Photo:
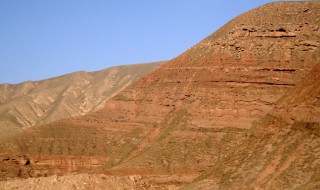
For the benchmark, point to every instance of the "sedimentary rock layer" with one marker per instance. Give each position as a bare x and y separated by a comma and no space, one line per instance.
280,152
183,118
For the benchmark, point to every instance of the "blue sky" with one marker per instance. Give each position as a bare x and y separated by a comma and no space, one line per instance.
45,38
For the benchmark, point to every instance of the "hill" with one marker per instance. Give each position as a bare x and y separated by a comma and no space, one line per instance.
38,102
280,152
177,123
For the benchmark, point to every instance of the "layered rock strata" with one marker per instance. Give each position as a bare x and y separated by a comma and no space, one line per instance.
183,118
280,152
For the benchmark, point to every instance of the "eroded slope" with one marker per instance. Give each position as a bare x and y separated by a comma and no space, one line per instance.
179,121
282,151
210,95
33,103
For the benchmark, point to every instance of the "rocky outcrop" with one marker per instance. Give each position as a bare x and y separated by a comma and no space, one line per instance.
44,165
38,102
186,116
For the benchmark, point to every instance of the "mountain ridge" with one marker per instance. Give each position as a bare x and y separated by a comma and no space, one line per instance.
173,125
37,102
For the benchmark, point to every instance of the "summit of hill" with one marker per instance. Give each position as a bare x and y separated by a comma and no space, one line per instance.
192,120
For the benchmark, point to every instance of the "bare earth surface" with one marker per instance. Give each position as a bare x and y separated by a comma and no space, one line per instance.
278,153
37,102
79,181
223,115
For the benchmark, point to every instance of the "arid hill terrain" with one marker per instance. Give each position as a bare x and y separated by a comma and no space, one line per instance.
281,151
38,102
202,118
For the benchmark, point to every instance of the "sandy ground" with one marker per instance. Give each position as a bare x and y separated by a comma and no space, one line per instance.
79,181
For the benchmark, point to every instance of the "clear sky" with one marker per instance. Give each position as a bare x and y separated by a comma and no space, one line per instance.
45,38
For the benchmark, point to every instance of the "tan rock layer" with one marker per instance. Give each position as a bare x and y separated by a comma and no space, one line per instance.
38,102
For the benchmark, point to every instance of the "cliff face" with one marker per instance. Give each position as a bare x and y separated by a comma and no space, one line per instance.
33,103
183,118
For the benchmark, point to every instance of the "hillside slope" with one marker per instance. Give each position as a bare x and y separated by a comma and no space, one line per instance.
209,96
180,120
282,151
33,103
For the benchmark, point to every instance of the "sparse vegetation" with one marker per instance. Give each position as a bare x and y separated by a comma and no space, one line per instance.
211,118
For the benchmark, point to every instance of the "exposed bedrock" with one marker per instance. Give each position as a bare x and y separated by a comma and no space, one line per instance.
183,117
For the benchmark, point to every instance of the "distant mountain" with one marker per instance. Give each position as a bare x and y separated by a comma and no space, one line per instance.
38,102
185,122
